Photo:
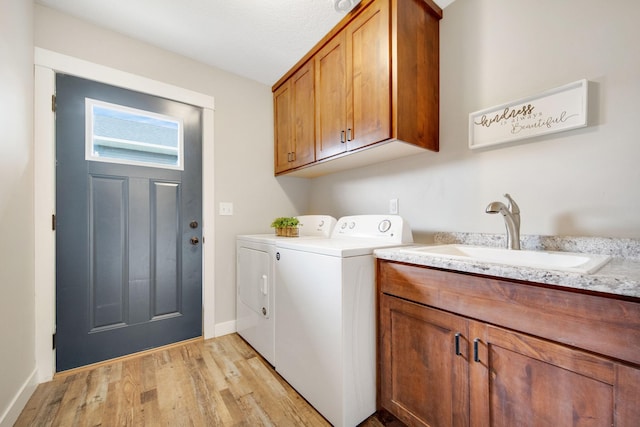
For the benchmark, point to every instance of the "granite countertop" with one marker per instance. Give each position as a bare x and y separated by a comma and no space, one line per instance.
620,276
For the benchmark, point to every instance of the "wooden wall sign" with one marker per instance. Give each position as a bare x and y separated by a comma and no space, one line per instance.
555,110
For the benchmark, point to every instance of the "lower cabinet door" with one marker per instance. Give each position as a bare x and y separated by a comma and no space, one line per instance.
519,380
424,361
440,369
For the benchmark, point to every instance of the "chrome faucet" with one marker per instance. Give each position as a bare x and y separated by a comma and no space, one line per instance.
511,216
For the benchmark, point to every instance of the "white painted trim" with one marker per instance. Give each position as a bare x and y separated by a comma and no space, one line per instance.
44,206
225,328
100,73
208,227
11,414
47,63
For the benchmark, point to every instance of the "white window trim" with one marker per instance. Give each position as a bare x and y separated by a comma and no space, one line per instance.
47,63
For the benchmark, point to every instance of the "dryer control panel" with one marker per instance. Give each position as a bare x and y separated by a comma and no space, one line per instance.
392,228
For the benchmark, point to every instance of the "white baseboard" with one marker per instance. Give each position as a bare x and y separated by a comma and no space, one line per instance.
225,328
19,401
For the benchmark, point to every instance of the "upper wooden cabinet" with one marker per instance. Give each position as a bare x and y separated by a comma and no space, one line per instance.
293,106
331,111
376,87
353,85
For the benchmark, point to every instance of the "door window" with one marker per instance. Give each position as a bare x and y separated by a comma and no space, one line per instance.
119,134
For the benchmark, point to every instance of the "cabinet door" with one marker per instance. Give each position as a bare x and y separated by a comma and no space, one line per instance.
331,98
524,381
303,96
283,127
423,381
369,75
294,111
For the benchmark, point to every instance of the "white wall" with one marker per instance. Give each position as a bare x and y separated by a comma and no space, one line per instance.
243,133
17,360
580,182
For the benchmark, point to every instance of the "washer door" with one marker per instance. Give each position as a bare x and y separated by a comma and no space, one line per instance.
254,280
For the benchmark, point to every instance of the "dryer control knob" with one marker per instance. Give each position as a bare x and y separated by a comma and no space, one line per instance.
384,226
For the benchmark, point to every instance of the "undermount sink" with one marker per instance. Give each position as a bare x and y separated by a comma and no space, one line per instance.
563,261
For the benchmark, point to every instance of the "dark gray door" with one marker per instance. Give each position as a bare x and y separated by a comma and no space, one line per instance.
128,240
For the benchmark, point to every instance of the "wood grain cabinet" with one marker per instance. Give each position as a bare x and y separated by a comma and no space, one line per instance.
353,85
462,350
376,80
423,381
294,109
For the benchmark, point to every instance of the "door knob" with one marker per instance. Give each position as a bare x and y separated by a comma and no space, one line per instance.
195,240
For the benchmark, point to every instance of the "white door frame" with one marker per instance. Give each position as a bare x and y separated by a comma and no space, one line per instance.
47,63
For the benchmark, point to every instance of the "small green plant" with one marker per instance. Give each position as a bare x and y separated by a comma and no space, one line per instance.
285,222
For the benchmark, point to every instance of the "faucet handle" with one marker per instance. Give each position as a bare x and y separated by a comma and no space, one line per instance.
513,206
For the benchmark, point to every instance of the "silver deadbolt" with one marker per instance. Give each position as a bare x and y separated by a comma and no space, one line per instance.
193,224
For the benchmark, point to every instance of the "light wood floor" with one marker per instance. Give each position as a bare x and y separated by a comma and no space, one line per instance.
218,382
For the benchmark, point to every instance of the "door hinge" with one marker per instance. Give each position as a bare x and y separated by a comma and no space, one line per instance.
53,341
53,103
53,222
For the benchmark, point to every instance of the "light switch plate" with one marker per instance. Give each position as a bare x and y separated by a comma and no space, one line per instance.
226,208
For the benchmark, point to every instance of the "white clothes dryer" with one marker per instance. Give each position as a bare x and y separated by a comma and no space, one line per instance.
325,315
255,281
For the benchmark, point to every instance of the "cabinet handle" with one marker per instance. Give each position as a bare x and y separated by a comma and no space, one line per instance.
349,134
342,137
293,156
457,337
476,355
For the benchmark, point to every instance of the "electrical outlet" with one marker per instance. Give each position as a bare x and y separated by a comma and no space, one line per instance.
393,206
226,208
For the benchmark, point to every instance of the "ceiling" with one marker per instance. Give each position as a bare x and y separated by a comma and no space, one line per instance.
258,39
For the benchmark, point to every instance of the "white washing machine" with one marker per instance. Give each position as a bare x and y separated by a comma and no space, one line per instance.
325,315
255,281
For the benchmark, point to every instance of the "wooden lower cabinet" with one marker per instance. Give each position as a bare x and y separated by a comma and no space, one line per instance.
520,380
424,382
439,368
